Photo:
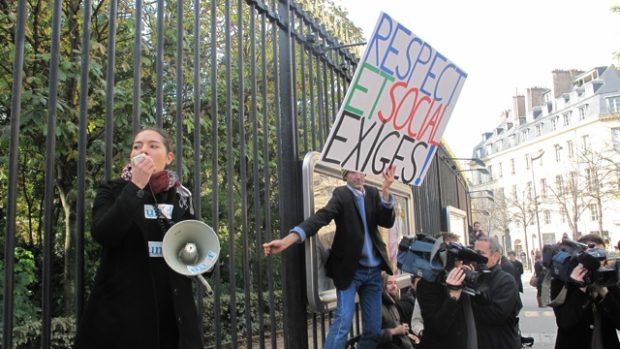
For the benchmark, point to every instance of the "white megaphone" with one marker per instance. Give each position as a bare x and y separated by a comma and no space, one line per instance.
191,248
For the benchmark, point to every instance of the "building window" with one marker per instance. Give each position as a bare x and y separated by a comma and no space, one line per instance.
558,153
512,166
554,123
566,118
490,168
593,213
547,216
559,185
613,103
569,146
585,142
583,111
500,170
543,187
538,130
615,137
527,161
589,179
528,189
514,191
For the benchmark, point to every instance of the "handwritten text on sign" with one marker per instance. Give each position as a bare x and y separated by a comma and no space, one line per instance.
397,105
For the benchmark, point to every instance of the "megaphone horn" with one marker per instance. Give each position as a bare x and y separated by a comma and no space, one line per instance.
191,248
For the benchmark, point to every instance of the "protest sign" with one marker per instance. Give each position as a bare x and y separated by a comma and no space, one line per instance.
397,105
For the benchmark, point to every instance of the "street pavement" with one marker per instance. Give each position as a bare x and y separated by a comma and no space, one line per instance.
536,322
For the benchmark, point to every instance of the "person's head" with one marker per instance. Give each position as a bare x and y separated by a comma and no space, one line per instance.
592,239
354,179
390,286
449,238
489,248
512,255
477,226
154,143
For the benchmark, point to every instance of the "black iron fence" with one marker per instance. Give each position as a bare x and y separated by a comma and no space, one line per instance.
246,88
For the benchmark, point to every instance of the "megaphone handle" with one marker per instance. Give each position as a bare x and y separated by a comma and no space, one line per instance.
204,282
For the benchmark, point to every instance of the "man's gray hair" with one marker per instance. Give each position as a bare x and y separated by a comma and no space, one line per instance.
494,245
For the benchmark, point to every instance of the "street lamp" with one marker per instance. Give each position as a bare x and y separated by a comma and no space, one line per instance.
540,241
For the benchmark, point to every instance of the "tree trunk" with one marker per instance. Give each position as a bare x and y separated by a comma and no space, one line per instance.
68,274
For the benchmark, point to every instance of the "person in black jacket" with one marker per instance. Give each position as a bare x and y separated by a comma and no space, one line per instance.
588,317
518,269
137,301
394,328
495,310
443,308
358,254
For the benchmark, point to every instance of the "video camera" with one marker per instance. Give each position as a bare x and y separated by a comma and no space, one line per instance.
430,259
563,257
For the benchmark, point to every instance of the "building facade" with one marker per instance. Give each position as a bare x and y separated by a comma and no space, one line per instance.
553,163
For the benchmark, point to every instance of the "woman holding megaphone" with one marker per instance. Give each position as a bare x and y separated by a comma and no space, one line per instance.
137,301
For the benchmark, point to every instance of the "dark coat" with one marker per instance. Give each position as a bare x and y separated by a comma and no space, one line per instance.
575,318
444,319
511,269
518,266
390,318
495,312
123,308
346,250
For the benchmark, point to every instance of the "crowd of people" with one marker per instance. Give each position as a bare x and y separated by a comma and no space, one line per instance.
138,301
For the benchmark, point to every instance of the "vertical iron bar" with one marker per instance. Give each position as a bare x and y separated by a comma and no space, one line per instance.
327,116
267,178
137,68
312,114
159,62
304,100
81,175
289,188
197,152
109,95
243,178
179,91
333,92
230,175
9,247
50,146
256,178
215,170
320,104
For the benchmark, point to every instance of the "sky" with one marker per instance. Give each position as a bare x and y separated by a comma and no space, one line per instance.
504,47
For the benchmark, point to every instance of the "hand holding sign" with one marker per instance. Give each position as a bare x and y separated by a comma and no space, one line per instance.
388,179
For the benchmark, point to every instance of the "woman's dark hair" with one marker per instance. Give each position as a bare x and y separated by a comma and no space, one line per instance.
592,238
164,136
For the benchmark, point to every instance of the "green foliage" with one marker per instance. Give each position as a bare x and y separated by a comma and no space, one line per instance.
239,314
24,277
232,125
28,334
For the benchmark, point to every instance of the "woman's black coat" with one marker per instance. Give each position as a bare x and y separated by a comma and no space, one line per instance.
122,309
575,318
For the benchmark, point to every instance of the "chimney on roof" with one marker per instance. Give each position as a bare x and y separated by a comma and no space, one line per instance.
563,81
518,106
535,97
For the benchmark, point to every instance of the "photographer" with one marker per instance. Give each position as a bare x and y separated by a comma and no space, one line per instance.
588,316
444,309
496,308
